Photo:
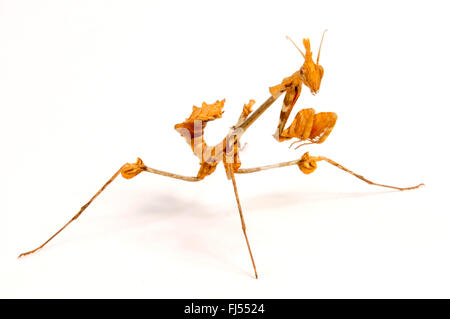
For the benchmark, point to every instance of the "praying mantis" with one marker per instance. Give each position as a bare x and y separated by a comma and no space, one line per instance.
308,127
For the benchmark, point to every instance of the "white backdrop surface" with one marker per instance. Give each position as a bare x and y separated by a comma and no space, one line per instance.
86,86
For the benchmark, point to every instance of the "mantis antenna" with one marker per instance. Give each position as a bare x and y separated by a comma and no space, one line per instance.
320,47
287,37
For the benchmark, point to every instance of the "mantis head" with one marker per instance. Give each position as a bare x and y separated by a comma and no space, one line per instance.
311,72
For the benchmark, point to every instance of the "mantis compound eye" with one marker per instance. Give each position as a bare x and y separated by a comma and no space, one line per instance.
320,70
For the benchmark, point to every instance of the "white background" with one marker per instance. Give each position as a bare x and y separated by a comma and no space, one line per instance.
86,86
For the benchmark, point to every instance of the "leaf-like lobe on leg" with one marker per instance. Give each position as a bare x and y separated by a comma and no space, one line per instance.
192,129
206,169
130,170
301,126
307,164
323,125
308,126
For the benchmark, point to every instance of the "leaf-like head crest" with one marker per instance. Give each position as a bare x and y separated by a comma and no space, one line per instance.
311,72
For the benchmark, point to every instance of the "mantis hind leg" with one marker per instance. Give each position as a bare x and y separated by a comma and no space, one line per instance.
322,158
127,171
308,164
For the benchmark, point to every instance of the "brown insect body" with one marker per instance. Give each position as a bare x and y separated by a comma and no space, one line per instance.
307,126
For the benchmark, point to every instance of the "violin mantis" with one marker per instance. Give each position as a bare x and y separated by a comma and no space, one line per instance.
308,127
